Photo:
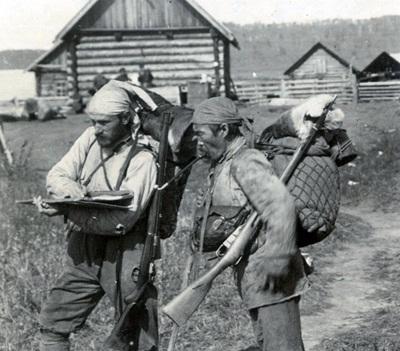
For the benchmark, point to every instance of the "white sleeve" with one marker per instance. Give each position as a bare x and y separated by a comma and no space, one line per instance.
140,181
66,172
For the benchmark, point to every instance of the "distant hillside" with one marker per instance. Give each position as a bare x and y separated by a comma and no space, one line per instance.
269,50
18,59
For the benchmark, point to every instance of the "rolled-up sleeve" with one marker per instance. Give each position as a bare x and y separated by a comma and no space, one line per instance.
270,198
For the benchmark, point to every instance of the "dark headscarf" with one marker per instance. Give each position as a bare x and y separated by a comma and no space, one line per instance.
217,110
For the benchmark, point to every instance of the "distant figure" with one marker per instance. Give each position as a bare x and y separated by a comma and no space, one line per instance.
145,77
98,81
123,75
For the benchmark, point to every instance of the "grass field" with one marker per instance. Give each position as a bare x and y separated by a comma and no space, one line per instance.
31,246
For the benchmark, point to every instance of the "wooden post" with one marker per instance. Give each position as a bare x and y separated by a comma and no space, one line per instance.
227,69
72,73
38,81
355,82
3,145
214,35
283,92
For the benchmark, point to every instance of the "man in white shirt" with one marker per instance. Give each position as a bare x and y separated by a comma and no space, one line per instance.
104,246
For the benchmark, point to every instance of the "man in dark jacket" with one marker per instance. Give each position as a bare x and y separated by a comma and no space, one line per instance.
271,277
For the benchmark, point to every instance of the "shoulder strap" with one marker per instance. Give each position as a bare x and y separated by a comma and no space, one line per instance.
86,156
206,210
135,149
101,164
236,154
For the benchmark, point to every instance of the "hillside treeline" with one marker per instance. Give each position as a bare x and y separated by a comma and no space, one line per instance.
18,59
270,49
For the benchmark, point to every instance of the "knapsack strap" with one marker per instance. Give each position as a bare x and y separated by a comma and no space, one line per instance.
135,149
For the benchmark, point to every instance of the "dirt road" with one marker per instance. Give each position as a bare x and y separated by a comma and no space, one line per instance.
353,292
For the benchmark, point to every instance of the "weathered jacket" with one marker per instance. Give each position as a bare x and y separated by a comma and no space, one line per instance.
244,176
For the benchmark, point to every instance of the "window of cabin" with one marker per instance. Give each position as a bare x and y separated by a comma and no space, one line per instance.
61,88
320,65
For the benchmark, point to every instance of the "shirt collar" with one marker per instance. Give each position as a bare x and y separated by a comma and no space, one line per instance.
232,149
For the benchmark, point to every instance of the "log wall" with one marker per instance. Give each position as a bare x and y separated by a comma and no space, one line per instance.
175,61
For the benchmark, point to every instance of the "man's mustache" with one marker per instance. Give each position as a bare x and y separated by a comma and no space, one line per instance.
201,151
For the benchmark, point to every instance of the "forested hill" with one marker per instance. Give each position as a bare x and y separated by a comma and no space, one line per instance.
269,50
18,59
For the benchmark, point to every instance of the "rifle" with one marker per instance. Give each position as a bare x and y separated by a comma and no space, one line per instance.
180,308
135,316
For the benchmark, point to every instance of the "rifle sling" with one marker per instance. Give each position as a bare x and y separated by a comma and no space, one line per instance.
148,251
208,200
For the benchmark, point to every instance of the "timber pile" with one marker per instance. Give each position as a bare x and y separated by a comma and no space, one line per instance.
40,108
379,91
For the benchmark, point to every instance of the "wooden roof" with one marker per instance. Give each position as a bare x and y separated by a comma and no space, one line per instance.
89,11
58,44
310,52
382,61
192,4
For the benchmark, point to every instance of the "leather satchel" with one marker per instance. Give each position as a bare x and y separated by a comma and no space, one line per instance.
221,222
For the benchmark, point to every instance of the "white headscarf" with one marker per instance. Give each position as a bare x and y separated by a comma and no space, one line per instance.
117,97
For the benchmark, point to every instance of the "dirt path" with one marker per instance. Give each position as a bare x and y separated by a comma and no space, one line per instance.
352,287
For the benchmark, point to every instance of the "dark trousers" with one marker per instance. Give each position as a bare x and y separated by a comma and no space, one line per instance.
277,327
96,266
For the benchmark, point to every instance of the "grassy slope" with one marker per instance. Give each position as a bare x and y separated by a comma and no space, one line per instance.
27,268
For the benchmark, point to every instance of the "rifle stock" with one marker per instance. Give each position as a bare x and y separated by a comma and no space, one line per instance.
186,303
181,308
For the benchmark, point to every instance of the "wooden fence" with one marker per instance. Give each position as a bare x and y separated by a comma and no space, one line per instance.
304,88
258,91
261,91
348,90
379,91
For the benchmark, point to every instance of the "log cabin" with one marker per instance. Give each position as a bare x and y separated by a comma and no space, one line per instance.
320,63
176,39
386,66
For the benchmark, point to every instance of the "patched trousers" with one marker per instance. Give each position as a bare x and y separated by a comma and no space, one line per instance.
96,266
277,327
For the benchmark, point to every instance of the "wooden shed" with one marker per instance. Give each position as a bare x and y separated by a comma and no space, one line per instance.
386,66
320,63
176,39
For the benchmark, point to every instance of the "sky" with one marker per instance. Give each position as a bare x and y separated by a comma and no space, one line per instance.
35,26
